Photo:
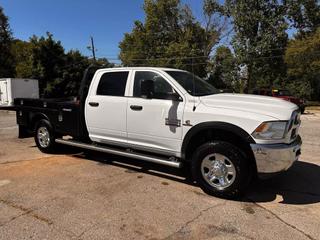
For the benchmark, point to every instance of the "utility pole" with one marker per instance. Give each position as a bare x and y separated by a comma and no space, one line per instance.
93,49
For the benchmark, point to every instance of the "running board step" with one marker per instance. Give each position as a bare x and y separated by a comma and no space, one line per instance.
124,153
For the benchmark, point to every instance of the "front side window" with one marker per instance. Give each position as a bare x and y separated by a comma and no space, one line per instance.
162,89
192,83
113,84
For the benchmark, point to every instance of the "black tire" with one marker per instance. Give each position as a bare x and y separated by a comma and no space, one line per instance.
51,146
240,163
302,109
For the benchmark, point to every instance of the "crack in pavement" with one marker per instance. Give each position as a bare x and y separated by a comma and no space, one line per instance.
87,230
30,212
281,220
192,220
25,211
37,159
26,160
223,229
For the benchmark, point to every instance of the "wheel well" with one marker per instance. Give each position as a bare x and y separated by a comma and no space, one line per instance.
35,119
207,135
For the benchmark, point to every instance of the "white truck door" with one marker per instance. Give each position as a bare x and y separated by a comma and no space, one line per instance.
106,108
154,124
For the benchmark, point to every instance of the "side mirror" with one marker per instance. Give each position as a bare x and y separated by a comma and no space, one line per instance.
147,89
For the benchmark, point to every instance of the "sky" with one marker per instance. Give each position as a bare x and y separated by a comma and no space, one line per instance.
74,21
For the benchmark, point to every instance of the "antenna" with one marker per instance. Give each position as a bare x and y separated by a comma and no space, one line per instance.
193,85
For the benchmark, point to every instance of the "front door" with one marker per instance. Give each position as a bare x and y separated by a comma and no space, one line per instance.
154,124
106,108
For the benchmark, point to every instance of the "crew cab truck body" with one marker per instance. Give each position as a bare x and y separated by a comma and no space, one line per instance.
171,117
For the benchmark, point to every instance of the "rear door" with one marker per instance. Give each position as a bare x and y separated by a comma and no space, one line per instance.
154,124
106,107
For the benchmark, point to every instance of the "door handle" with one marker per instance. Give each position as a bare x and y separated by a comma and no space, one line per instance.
93,104
136,107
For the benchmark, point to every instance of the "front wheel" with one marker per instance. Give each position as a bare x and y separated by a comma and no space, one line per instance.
221,169
44,136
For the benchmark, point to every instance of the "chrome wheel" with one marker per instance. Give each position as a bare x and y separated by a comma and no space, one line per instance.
43,137
218,171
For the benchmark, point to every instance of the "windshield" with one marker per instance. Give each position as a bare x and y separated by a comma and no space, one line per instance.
193,84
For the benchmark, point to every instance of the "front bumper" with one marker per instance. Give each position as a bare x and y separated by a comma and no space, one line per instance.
273,158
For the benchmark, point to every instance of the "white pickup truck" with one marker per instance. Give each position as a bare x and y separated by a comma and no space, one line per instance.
171,117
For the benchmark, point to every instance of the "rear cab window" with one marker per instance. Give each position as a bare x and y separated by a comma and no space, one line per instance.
113,84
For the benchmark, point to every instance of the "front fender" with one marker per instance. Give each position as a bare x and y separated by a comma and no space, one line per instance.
228,127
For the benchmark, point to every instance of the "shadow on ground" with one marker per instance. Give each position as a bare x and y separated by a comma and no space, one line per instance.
299,185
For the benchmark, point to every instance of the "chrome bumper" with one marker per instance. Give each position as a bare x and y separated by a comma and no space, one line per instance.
272,158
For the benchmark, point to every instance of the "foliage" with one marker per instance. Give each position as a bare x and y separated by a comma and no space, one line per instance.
170,36
224,69
44,58
260,39
304,15
303,61
48,61
70,75
6,58
23,58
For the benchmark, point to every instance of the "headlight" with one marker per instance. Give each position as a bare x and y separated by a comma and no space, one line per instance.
270,130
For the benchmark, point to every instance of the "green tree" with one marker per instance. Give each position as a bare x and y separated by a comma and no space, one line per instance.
6,58
260,39
44,58
170,36
48,62
304,15
224,72
303,61
23,58
72,73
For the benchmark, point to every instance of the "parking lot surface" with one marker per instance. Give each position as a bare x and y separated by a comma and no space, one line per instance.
71,195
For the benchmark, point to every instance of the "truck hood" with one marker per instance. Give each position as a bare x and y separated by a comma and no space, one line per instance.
269,106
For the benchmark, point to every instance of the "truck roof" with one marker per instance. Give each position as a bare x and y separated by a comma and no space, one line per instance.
143,68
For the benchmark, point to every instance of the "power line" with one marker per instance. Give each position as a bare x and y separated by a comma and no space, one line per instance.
315,53
114,57
191,58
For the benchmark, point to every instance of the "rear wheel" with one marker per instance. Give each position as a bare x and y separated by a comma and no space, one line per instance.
221,169
44,136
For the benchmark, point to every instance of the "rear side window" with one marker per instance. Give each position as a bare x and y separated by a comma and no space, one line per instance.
113,84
